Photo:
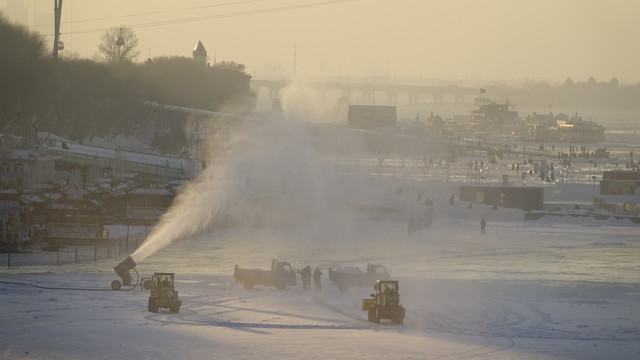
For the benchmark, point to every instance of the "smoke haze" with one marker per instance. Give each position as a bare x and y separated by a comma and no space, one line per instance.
477,41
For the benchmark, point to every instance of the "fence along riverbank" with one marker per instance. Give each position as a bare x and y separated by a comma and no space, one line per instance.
80,254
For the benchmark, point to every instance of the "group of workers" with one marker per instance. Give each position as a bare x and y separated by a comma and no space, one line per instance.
306,278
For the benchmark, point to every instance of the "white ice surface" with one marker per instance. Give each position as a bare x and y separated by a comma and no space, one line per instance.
555,288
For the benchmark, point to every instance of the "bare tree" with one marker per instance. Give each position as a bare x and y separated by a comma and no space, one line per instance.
118,45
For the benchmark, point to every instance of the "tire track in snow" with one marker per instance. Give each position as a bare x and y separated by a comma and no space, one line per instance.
496,319
182,320
488,350
185,317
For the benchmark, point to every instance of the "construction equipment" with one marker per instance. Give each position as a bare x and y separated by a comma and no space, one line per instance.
163,293
124,271
385,303
280,275
354,277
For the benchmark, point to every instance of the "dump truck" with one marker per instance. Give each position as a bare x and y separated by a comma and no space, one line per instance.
354,277
163,293
281,275
385,303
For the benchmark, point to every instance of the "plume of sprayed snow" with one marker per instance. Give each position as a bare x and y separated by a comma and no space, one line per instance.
191,210
269,174
304,104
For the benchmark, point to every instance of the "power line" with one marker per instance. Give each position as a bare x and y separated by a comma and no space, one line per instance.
161,12
219,16
152,13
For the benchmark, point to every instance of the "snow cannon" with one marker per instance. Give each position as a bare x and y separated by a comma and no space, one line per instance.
123,270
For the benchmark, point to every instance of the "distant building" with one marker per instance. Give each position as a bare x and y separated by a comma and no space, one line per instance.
568,82
540,120
620,182
200,55
73,221
550,128
614,82
23,162
487,112
145,206
578,130
524,198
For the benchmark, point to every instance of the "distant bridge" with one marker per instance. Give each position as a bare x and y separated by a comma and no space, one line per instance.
387,94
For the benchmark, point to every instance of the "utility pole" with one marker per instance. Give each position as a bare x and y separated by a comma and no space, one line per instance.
57,13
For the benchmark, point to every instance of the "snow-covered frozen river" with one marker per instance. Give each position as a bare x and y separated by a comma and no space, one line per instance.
554,288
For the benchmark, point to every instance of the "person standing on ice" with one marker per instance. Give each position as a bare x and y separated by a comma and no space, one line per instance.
306,277
316,279
483,225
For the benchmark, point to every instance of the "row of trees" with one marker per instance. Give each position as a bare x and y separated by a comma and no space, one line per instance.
23,64
109,94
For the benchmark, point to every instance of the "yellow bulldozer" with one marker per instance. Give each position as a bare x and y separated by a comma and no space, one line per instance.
163,294
385,303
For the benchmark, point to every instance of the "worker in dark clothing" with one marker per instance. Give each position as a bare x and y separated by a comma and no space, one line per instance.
306,277
483,225
316,279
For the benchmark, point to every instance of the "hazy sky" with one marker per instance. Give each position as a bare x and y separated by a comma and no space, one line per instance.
473,40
